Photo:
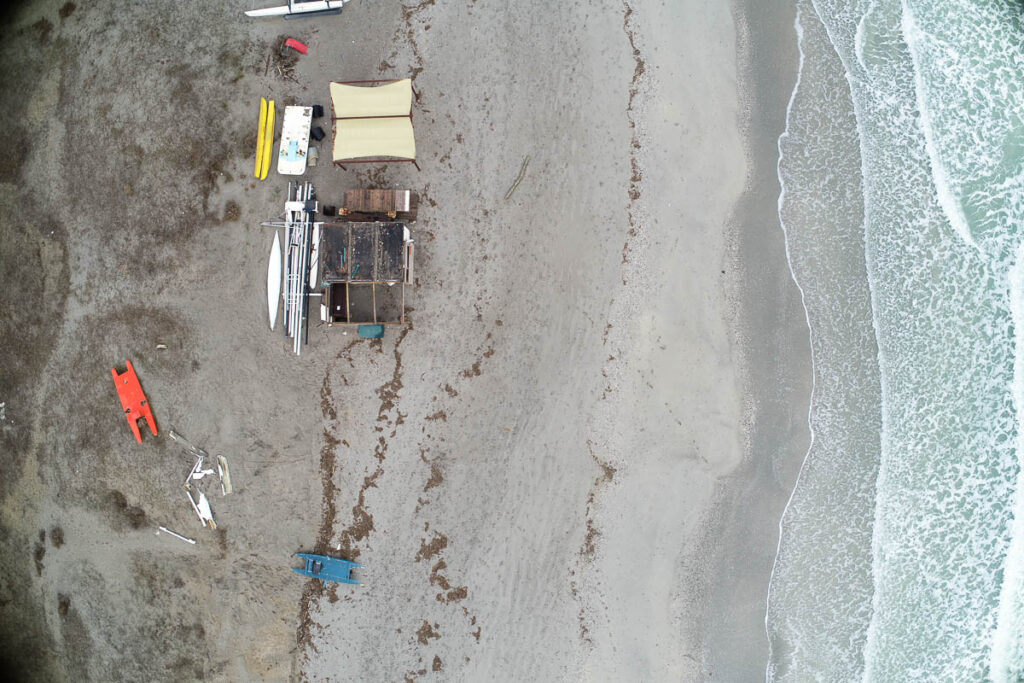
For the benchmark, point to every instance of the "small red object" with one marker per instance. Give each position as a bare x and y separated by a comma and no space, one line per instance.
134,402
296,45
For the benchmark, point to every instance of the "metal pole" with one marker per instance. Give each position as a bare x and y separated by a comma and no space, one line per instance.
287,262
308,290
301,191
295,287
304,279
177,535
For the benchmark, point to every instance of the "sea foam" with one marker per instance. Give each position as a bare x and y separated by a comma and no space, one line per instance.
820,594
936,93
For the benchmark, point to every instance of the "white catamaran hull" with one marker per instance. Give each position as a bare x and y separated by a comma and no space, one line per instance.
274,280
297,8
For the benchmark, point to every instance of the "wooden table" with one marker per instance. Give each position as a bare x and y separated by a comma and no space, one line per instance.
390,202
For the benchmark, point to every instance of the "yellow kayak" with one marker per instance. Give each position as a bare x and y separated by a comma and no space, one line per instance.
268,141
260,136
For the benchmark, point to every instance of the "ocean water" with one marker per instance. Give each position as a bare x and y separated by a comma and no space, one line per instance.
901,552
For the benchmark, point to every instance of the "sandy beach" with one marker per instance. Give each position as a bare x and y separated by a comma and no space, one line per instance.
570,465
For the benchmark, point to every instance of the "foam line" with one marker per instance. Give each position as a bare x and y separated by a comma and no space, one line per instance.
940,178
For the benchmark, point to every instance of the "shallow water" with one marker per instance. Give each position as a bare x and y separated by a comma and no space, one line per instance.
902,169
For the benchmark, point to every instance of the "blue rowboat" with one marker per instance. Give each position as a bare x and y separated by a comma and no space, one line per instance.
328,568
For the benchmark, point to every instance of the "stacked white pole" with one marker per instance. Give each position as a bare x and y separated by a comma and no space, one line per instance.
297,232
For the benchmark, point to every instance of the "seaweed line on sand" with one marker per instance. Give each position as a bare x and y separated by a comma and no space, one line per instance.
636,175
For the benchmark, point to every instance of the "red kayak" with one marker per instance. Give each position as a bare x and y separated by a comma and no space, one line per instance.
296,45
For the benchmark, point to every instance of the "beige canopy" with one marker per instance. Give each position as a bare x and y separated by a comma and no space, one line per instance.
357,102
373,121
362,138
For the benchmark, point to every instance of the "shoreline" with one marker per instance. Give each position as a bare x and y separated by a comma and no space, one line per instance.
774,351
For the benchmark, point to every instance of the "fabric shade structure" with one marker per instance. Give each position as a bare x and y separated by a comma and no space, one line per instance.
354,101
373,122
356,139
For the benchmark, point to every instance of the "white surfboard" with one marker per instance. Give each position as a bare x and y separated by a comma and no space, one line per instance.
274,280
298,122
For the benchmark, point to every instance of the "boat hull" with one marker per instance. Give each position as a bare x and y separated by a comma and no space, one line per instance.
260,137
298,9
294,140
268,142
328,568
274,280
